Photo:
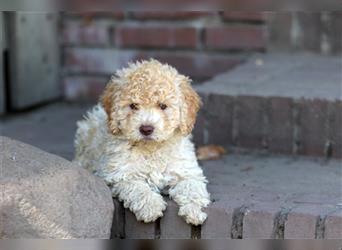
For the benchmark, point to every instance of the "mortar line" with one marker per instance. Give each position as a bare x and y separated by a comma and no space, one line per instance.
157,229
196,232
237,225
279,223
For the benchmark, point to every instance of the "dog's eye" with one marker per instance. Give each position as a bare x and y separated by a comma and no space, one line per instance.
134,106
162,106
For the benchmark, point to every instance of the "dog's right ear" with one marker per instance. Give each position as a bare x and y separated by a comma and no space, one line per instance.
107,100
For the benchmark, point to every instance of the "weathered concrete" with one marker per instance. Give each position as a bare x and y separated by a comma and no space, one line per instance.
51,128
45,196
333,225
261,196
172,226
279,103
296,76
275,192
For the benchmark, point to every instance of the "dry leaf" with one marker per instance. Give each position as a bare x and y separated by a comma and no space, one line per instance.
210,152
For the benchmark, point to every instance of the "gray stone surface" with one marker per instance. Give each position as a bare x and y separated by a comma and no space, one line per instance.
301,221
280,103
136,229
219,221
266,184
258,222
172,226
333,225
51,128
45,196
284,75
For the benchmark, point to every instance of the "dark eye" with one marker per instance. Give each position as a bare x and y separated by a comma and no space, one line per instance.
134,106
162,106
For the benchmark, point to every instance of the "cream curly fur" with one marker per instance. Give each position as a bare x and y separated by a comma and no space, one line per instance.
137,167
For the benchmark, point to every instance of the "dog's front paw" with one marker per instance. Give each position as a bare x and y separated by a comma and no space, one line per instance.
152,209
192,214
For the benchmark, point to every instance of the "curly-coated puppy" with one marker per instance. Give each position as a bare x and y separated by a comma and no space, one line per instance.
138,140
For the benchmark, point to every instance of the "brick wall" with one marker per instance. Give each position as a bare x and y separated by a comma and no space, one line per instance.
199,44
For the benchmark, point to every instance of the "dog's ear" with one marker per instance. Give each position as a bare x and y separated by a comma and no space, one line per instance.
107,101
189,107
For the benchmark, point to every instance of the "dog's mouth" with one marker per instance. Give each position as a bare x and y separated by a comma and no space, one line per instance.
147,138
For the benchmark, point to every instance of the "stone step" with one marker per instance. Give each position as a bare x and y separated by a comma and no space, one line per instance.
256,196
289,104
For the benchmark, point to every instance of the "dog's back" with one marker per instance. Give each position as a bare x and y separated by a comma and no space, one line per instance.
90,139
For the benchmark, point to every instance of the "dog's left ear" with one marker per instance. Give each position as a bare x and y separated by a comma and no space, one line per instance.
190,105
107,101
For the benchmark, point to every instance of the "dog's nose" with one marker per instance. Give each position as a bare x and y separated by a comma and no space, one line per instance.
146,129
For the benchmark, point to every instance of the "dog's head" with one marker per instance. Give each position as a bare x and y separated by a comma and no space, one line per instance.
149,100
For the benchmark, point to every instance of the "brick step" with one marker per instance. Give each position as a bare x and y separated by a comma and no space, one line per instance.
255,196
289,104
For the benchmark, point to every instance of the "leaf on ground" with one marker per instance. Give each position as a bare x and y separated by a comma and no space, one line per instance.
210,152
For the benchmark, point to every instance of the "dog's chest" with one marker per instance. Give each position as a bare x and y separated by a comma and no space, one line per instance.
155,169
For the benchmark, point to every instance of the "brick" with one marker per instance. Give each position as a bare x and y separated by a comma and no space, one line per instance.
173,226
301,221
279,30
196,65
243,16
106,61
90,15
310,26
180,15
237,37
334,31
156,37
313,119
250,120
333,226
280,125
200,130
258,222
83,88
335,125
294,31
219,109
138,230
313,31
95,60
78,33
219,221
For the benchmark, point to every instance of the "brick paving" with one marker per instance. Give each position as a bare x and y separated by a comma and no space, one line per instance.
256,195
278,103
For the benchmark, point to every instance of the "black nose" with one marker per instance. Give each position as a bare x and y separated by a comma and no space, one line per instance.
146,129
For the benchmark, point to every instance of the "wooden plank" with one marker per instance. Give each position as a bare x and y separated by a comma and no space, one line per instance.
34,59
2,83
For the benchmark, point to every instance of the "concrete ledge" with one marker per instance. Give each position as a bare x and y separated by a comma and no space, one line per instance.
259,196
289,104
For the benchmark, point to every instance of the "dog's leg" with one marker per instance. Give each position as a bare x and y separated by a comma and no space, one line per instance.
146,204
191,195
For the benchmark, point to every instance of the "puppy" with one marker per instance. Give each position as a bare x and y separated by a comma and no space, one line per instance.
138,140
